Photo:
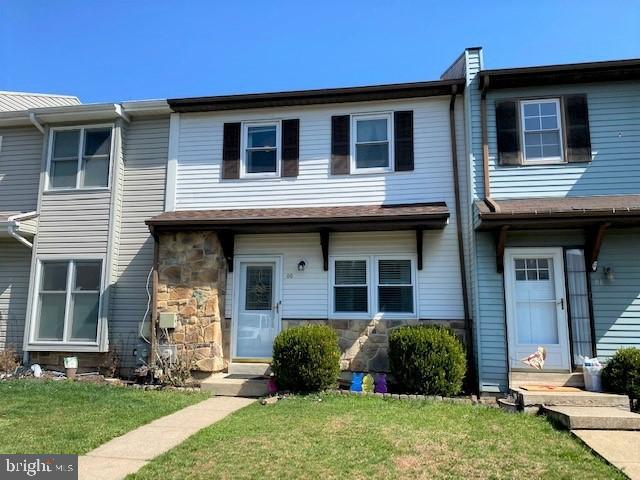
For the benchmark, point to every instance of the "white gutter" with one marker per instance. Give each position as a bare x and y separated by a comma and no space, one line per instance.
13,226
33,119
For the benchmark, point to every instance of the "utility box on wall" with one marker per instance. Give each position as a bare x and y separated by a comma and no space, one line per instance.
167,320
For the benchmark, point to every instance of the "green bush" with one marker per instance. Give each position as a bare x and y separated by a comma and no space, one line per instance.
621,374
427,360
306,359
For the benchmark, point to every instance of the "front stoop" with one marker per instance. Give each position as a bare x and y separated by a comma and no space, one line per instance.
527,399
519,378
593,418
235,385
250,369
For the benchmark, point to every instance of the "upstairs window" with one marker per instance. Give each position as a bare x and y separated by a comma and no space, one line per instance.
261,149
541,130
68,302
371,149
80,158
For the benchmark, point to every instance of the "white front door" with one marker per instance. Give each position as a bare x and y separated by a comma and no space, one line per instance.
536,306
257,304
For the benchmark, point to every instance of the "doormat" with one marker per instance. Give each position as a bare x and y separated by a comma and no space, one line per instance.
549,388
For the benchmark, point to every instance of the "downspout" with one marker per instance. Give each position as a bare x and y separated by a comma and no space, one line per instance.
493,206
468,321
154,301
14,224
36,123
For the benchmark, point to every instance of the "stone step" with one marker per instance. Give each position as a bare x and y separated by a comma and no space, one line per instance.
593,418
517,379
235,385
255,369
582,398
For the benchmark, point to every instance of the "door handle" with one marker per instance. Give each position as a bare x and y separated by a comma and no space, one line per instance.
561,303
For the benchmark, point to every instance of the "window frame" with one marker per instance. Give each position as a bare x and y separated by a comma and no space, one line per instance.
355,117
557,160
80,166
413,285
372,288
245,141
33,343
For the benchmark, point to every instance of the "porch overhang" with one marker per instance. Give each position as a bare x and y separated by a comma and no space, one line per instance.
593,214
323,220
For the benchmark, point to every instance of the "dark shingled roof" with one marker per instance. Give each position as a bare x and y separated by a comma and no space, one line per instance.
601,208
434,215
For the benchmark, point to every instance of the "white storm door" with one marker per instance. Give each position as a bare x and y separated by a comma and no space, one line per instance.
536,306
257,307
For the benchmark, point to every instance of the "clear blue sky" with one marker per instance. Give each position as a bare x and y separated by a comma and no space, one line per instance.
117,50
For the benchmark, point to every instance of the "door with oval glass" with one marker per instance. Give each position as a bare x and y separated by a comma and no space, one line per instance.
257,307
536,306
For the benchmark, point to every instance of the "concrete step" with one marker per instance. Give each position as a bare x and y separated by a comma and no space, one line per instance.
235,385
255,369
580,398
593,418
517,379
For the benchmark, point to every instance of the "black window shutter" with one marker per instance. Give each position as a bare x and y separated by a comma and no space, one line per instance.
403,140
231,151
577,134
507,131
340,157
290,147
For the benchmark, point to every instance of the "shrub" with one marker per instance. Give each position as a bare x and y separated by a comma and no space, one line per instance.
427,360
8,361
306,359
621,374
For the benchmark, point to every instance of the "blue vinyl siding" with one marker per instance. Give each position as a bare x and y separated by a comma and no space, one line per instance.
616,303
614,120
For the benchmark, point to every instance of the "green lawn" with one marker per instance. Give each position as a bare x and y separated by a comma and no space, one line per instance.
75,417
351,437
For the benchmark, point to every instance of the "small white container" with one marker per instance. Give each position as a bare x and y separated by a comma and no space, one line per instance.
70,362
592,377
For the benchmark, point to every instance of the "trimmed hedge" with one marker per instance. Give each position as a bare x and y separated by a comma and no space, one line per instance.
621,374
427,360
306,359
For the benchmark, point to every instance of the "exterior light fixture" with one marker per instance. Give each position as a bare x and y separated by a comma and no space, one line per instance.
608,273
301,265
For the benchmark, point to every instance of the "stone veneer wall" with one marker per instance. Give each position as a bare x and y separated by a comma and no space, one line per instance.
192,284
365,343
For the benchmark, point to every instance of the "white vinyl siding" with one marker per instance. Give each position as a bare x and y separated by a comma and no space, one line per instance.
199,159
20,164
15,262
306,294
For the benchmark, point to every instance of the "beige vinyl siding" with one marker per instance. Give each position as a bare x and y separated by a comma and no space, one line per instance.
20,158
305,294
74,223
145,158
15,260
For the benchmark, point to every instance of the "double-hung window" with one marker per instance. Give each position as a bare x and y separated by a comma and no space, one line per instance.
68,302
80,158
541,130
371,144
261,157
388,288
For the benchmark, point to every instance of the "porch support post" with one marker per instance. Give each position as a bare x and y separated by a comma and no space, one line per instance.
227,243
419,238
594,237
500,243
324,244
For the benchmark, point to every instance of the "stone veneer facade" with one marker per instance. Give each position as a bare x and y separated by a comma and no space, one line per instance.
192,284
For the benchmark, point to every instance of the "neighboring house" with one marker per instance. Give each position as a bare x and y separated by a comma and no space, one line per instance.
555,161
76,185
334,206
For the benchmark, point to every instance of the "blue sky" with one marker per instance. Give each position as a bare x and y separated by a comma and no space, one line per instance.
120,50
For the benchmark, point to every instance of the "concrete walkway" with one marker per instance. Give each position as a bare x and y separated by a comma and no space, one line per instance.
620,448
127,454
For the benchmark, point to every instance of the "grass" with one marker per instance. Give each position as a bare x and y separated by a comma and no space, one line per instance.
75,417
333,436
